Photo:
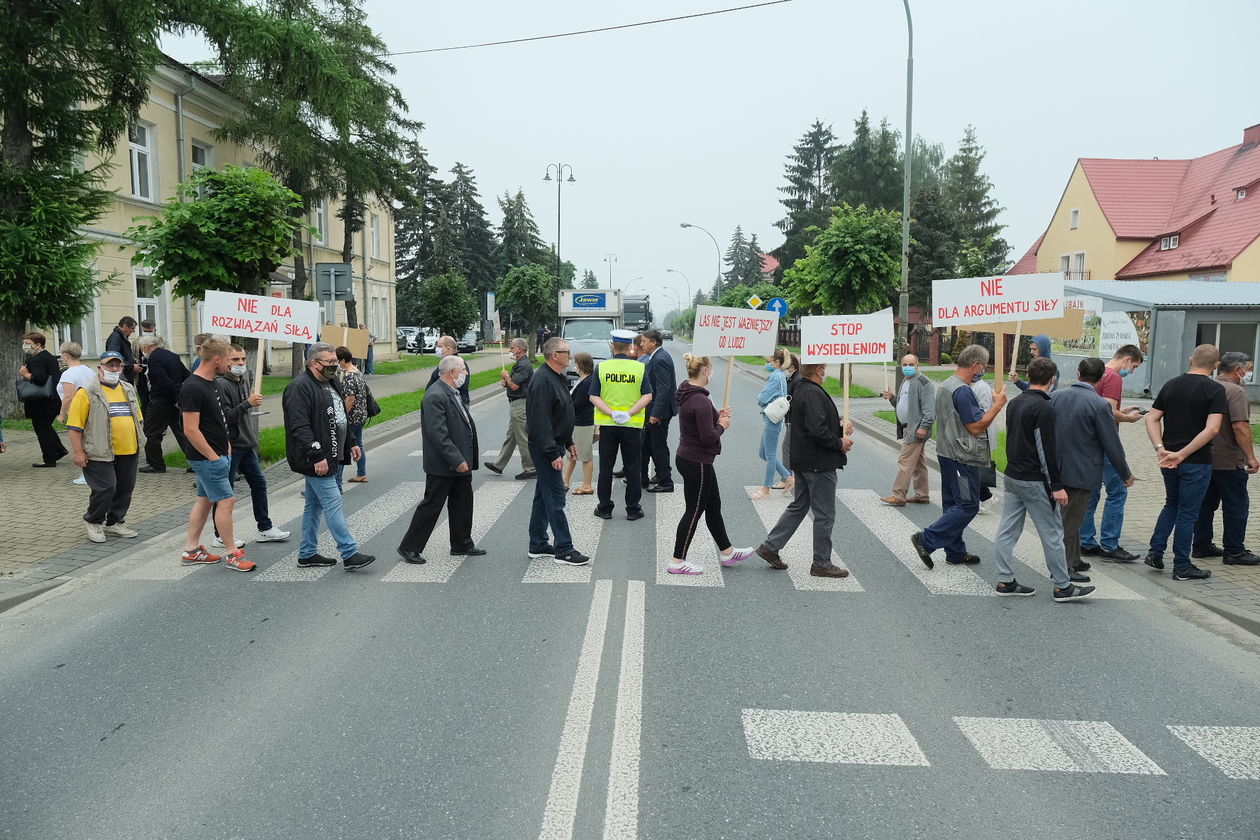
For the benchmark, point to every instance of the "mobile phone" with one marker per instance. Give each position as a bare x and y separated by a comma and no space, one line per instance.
1143,410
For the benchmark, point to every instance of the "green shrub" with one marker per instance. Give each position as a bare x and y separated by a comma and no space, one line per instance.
947,359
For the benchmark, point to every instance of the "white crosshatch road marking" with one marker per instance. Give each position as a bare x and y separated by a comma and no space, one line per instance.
799,551
895,530
831,738
1070,746
669,510
491,499
1234,750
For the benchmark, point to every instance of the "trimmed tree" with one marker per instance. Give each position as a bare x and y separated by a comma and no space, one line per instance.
853,267
530,291
446,304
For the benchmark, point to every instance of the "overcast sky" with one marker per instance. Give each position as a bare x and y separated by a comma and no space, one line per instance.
690,121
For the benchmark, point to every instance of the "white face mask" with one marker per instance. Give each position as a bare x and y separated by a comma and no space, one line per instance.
460,380
111,377
238,370
28,349
1248,377
440,351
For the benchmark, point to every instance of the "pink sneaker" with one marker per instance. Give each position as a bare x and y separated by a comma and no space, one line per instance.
686,567
735,556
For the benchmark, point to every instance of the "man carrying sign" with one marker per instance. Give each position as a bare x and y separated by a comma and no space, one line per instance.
962,447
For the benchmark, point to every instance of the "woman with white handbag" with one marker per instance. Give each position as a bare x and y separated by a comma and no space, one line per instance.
773,401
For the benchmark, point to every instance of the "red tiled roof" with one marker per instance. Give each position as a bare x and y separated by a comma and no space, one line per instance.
1136,196
1028,263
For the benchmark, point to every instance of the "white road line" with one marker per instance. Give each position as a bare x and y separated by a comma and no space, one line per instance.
831,738
489,503
586,529
669,510
1071,746
1234,750
566,778
364,524
799,550
415,453
621,813
894,529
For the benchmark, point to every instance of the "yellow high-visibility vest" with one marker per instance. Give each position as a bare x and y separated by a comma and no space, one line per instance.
620,386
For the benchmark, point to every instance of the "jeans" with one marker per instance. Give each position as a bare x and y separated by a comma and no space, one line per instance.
1228,491
1184,489
1113,512
769,451
322,495
548,509
1031,498
369,366
813,492
245,463
701,497
960,500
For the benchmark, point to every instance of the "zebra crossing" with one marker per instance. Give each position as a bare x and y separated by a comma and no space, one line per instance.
1017,744
369,515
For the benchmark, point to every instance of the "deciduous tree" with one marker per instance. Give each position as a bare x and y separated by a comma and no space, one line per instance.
853,266
446,304
530,291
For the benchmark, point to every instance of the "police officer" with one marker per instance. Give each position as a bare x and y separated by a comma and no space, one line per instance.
620,392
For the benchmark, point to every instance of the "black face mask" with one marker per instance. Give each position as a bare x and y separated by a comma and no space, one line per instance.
328,372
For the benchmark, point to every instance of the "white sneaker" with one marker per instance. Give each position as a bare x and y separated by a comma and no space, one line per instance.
735,556
273,534
686,567
80,481
986,506
95,532
120,530
218,542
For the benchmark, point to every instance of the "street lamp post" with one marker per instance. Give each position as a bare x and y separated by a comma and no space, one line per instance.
632,282
560,179
903,304
610,259
717,249
685,280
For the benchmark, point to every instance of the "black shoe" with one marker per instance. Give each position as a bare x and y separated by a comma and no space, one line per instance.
1078,577
632,515
526,476
1015,588
1118,555
619,474
149,469
1209,550
660,488
189,470
603,513
1091,550
965,560
471,551
1191,573
1155,561
1245,558
492,468
1084,567
413,557
358,561
916,539
44,466
316,560
573,558
1071,592
547,550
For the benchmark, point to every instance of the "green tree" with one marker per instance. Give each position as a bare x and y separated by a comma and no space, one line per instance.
933,245
737,296
684,324
966,191
530,292
754,264
446,304
807,193
413,231
519,242
868,170
473,236
589,280
853,267
737,259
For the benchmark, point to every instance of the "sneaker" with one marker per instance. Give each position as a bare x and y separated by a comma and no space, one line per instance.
81,481
1091,550
965,560
770,556
236,562
1014,588
635,514
547,550
916,539
573,558
120,530
1244,558
686,567
358,561
603,514
1071,592
95,532
273,534
735,556
1155,561
217,542
1117,555
497,470
1209,550
1191,573
526,476
893,501
198,557
315,560
1078,577
1084,567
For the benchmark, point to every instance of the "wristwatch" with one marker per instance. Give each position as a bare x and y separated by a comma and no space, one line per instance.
1159,446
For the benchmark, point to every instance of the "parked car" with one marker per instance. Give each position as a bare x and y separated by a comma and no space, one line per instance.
598,349
667,335
403,334
470,343
423,341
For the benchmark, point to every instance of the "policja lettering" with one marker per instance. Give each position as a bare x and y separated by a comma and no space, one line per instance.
620,377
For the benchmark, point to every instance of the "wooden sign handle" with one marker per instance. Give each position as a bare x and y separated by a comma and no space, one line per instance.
726,392
258,366
1019,328
846,395
999,345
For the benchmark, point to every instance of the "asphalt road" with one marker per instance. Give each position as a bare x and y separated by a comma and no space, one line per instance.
493,697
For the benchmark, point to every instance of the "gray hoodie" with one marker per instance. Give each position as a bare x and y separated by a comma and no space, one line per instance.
242,423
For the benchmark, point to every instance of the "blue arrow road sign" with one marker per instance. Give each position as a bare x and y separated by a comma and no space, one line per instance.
778,305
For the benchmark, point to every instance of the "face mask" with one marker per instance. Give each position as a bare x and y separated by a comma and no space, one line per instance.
769,366
460,380
908,371
440,352
111,377
1248,377
1124,372
28,349
238,370
328,372
976,377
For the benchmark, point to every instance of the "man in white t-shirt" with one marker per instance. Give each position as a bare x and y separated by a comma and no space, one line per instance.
76,375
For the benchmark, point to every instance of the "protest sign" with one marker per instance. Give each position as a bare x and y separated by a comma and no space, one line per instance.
356,341
726,331
267,318
847,338
971,301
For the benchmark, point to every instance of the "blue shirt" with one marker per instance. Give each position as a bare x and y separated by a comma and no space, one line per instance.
966,405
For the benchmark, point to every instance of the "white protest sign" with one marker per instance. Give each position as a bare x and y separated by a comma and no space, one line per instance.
847,338
269,318
992,300
726,331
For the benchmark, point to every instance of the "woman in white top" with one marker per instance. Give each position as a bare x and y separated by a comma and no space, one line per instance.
76,375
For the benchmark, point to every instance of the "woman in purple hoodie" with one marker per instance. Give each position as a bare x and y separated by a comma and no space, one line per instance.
700,428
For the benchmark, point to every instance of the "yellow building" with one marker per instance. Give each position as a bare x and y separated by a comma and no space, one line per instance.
173,137
1196,219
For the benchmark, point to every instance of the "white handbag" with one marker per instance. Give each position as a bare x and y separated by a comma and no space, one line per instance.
777,409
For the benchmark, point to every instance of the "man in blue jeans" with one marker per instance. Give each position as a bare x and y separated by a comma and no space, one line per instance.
962,447
1104,542
1192,409
1233,460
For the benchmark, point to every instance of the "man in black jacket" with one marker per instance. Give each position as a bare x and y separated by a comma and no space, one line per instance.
165,374
818,447
316,438
119,342
549,424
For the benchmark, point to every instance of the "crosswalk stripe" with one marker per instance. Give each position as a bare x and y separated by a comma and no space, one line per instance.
489,502
1072,746
364,524
670,508
1234,750
895,530
799,549
831,738
416,453
584,527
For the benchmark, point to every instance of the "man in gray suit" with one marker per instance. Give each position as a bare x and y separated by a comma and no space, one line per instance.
450,453
1085,431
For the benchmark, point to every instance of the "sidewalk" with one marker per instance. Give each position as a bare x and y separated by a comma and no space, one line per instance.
1232,591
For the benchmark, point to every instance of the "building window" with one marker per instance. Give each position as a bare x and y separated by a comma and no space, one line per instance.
321,222
1073,266
1228,337
149,302
1075,219
83,333
1241,194
1167,243
374,225
140,139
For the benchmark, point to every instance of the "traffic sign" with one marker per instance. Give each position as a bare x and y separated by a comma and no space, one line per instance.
754,302
779,305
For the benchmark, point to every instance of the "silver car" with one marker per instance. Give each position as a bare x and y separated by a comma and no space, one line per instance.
598,349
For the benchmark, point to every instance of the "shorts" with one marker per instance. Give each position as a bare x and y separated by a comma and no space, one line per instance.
213,478
583,438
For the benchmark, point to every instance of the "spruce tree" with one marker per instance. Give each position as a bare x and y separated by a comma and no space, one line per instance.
737,259
807,193
966,191
868,170
754,264
933,244
472,230
589,280
519,242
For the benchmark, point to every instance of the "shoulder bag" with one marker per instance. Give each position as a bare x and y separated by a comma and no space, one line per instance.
777,409
28,391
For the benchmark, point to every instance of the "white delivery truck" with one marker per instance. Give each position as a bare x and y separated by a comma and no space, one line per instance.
590,313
